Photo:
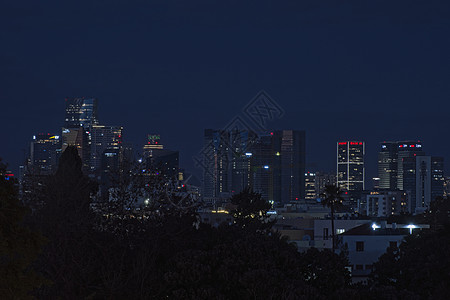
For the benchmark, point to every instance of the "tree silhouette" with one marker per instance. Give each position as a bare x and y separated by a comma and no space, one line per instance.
70,258
331,197
420,264
250,209
438,215
19,247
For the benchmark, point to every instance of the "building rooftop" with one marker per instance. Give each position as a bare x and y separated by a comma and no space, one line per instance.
377,229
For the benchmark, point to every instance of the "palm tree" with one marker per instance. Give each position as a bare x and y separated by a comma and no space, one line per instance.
332,198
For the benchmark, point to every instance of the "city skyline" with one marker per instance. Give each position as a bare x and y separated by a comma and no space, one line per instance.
182,69
204,149
311,166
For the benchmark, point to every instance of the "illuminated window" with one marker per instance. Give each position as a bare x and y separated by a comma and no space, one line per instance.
340,230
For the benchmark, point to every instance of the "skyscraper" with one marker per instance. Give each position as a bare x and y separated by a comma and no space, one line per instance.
424,179
406,149
102,138
293,163
273,165
81,112
241,146
153,142
391,162
81,115
350,170
310,186
350,165
216,163
404,166
79,138
164,161
322,180
278,166
44,153
263,160
387,165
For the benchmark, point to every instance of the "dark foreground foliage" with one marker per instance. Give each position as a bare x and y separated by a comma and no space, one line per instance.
172,256
19,246
421,265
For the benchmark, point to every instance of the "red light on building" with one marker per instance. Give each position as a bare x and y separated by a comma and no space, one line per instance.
271,133
342,143
412,146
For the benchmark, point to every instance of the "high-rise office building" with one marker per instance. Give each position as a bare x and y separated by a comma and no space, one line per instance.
81,112
153,142
79,138
45,151
384,203
404,166
263,159
81,115
438,177
350,165
391,163
322,180
278,166
216,163
387,165
241,146
350,170
424,179
406,149
101,138
226,159
293,163
164,161
273,165
158,159
310,186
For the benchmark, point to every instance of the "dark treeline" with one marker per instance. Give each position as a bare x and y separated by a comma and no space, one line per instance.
64,249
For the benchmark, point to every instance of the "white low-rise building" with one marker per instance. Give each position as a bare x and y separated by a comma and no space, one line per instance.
367,242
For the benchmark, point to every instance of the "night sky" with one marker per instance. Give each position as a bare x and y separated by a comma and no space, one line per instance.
360,70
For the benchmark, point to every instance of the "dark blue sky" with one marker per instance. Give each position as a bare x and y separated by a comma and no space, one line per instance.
368,70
